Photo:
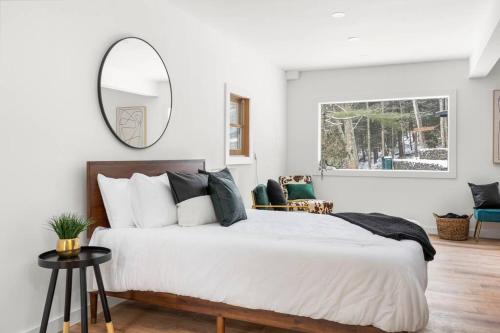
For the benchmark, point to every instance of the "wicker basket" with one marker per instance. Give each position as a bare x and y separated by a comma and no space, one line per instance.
453,228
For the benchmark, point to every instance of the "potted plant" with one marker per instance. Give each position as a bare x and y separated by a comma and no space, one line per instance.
68,226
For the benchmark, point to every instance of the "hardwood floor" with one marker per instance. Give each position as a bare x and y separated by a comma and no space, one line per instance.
463,295
464,287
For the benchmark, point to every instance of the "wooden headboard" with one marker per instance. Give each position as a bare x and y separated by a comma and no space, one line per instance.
125,169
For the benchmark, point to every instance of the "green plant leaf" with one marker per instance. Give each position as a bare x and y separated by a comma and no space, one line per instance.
69,225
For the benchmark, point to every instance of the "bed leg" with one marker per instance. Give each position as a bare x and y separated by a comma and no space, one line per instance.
221,327
93,307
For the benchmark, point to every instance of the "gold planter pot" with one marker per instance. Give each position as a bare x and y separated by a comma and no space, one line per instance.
67,248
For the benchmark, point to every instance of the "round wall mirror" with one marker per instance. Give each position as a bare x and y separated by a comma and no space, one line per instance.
135,93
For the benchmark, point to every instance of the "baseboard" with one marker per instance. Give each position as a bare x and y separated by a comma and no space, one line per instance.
485,232
56,323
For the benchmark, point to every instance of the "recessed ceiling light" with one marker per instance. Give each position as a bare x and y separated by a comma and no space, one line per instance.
353,39
338,15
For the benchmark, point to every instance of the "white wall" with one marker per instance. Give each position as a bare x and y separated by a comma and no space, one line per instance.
413,198
50,52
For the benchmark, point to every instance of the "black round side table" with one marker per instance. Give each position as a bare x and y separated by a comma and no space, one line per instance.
89,256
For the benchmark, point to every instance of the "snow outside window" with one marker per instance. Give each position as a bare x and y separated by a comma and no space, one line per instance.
403,135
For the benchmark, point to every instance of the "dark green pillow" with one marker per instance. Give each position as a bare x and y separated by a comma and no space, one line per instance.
260,195
300,191
226,198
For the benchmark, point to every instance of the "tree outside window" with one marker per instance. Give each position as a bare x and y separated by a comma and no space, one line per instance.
398,134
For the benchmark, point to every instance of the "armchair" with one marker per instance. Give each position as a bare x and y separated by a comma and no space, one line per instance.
311,205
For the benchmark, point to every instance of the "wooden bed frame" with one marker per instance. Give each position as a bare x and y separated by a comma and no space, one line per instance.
96,211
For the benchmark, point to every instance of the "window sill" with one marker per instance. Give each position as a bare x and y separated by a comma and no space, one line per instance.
235,159
390,174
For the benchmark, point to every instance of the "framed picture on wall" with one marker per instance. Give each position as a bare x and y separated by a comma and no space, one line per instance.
496,126
131,125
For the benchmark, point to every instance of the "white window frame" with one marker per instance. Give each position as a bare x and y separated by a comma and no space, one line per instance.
452,139
237,159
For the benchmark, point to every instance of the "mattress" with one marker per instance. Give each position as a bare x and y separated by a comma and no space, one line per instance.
302,264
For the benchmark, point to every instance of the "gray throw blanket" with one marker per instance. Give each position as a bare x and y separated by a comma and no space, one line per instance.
391,227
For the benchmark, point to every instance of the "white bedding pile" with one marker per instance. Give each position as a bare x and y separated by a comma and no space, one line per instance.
310,265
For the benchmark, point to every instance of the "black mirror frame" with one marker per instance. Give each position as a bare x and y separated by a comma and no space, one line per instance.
101,105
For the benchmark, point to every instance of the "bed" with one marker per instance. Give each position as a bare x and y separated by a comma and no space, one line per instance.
299,271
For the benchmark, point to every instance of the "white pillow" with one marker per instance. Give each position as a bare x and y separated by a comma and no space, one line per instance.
196,211
152,201
115,194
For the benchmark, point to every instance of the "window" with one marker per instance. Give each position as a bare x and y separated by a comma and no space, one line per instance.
238,125
238,131
409,134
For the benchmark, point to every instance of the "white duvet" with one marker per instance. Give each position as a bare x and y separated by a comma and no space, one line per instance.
310,265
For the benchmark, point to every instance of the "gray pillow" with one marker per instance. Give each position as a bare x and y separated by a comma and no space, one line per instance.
225,173
275,194
226,199
485,196
187,185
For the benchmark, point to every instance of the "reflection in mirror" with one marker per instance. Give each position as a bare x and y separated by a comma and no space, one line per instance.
135,92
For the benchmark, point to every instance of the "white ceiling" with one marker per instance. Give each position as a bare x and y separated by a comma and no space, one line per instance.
301,34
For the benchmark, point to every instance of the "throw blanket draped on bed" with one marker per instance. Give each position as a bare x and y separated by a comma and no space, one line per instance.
391,227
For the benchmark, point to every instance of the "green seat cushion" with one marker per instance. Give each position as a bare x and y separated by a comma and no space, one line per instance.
300,191
487,215
260,194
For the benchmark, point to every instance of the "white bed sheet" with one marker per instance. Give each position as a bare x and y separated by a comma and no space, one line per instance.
310,265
